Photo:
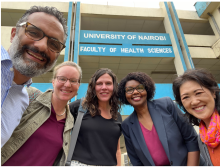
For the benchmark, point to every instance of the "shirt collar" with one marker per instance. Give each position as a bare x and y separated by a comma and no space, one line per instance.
4,54
28,83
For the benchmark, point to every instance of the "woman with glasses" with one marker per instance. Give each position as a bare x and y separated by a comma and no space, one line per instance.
43,136
197,93
155,133
98,139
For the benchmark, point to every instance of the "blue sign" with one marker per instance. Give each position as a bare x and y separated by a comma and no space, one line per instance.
120,50
124,37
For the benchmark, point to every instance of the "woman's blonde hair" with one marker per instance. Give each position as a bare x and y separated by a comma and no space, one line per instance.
67,63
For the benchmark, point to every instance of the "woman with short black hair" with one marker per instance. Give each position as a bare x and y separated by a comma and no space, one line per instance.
155,133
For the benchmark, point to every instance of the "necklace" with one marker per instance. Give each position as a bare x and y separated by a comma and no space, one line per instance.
58,114
61,114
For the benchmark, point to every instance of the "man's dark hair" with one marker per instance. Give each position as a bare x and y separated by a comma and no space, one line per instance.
49,10
143,79
205,79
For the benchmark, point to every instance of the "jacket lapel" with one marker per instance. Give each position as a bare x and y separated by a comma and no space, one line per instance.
140,138
159,125
47,95
69,124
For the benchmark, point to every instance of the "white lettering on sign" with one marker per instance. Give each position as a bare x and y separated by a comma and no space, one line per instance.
132,50
130,37
159,50
112,49
92,49
161,38
137,50
104,36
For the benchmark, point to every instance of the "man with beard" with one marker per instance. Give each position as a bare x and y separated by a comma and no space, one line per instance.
37,41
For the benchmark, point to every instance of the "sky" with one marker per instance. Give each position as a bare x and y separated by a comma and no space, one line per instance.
179,4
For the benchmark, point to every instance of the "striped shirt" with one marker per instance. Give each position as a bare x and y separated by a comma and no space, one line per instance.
14,98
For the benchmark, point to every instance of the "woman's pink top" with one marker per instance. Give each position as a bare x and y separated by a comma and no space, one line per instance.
154,146
43,146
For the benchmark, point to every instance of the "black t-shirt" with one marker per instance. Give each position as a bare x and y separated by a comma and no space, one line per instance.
97,140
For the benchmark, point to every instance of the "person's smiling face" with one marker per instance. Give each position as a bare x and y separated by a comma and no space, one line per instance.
66,91
197,100
31,57
104,88
137,98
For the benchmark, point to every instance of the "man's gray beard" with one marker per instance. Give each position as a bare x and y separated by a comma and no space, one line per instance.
26,67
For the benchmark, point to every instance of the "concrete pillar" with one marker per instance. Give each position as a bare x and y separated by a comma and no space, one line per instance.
179,61
181,37
216,16
77,33
69,23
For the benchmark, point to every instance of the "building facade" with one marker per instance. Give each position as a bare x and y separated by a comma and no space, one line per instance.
162,42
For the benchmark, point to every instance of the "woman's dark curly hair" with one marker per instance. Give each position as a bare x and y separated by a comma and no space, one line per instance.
142,78
91,100
203,78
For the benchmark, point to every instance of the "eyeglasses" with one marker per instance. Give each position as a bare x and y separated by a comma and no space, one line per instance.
36,34
63,80
140,88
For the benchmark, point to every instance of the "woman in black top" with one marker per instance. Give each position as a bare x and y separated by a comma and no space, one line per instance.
98,141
